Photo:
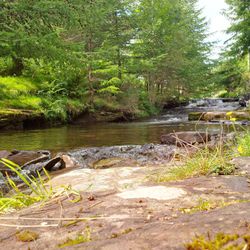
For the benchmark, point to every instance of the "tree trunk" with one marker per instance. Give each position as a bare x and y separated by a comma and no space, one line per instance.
118,50
17,67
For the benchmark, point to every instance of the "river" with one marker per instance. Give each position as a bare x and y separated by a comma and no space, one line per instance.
106,134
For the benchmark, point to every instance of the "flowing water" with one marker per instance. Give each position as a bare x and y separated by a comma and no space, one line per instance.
107,134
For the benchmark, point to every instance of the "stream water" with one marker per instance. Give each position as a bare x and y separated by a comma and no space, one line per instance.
107,134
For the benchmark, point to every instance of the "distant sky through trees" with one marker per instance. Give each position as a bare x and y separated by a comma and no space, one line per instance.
218,23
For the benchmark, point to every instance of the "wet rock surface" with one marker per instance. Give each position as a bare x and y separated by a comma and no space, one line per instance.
185,138
30,163
243,115
130,211
244,100
132,155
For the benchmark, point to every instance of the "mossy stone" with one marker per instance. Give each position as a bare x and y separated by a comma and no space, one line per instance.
27,236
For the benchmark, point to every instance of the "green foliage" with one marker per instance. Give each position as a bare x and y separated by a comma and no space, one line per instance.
6,64
17,85
38,190
240,16
243,143
20,93
233,71
106,105
80,238
220,241
133,54
204,162
203,205
21,199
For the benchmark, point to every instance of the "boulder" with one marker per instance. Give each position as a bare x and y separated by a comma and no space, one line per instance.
127,155
244,100
24,158
238,115
106,163
209,116
69,162
217,116
242,165
55,164
185,138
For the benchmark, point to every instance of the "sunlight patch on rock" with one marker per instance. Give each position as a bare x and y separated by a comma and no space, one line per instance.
156,192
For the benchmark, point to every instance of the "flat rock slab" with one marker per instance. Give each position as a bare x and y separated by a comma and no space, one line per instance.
97,180
130,211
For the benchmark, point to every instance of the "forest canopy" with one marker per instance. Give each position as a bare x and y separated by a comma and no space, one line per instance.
101,55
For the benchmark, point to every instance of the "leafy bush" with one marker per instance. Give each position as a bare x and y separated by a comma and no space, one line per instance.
146,105
54,109
5,65
104,104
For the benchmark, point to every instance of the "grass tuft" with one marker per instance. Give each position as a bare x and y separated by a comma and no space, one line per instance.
204,162
243,143
220,241
80,238
40,191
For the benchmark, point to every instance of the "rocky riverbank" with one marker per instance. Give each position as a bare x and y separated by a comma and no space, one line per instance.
122,208
125,205
243,115
16,119
19,119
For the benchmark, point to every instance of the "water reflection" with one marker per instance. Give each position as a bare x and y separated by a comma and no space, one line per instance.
89,135
107,134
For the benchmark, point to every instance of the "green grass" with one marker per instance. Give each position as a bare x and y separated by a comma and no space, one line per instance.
22,102
220,241
17,85
80,238
39,191
243,144
207,204
23,93
19,199
204,162
19,93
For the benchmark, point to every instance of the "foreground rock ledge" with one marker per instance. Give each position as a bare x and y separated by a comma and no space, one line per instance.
131,211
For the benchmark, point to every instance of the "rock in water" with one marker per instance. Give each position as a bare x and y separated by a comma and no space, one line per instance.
185,138
106,163
117,156
23,158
